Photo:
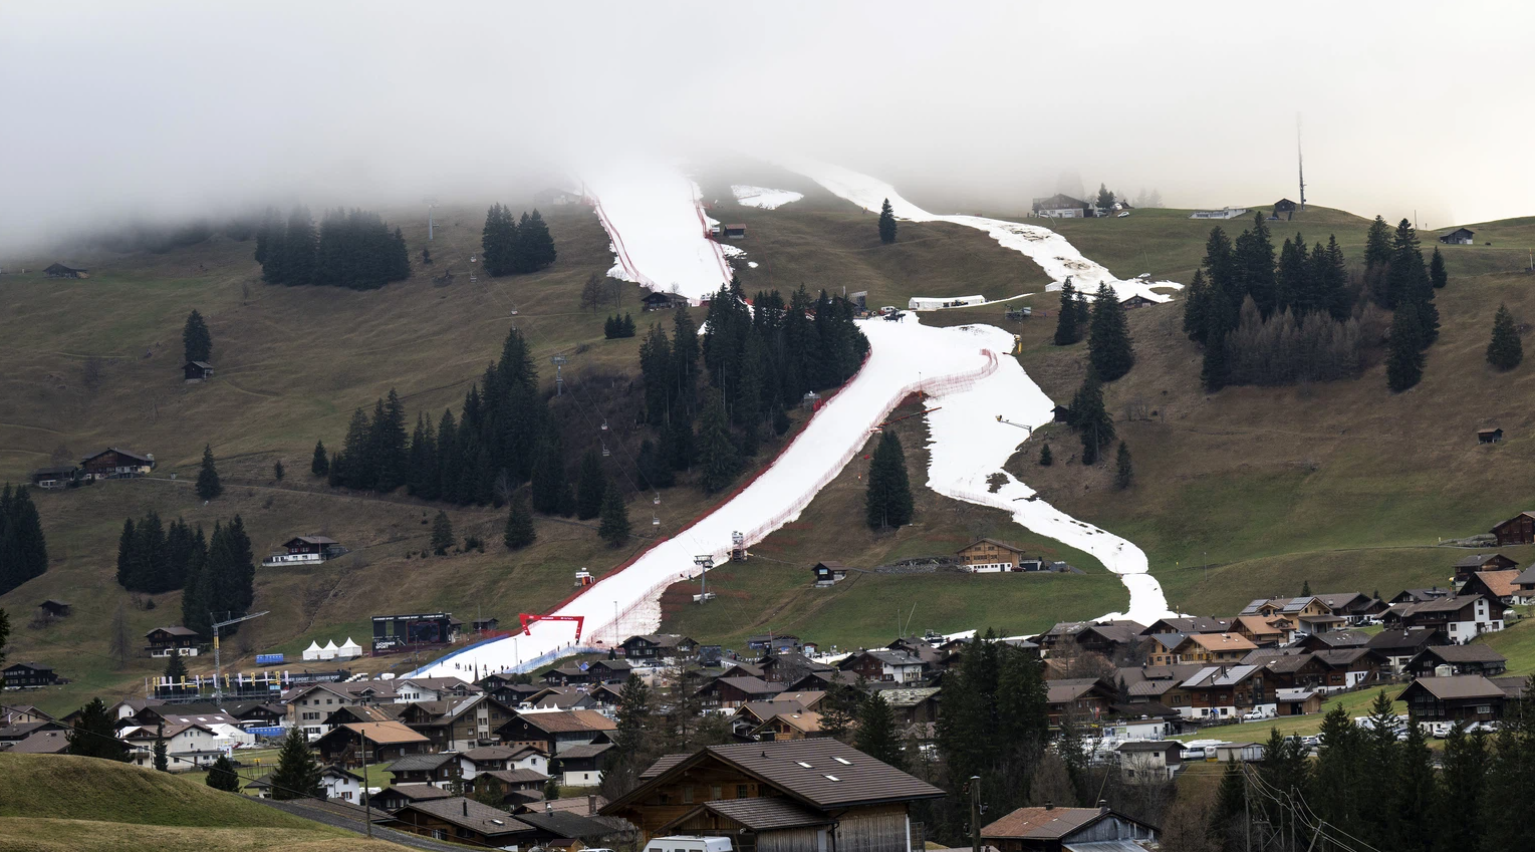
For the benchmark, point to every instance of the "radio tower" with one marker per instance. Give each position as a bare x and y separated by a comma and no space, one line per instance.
1300,161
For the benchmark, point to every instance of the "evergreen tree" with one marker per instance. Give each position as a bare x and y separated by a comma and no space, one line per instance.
519,525
535,247
1124,473
839,710
684,361
389,445
614,528
549,485
355,465
886,223
1090,418
23,547
498,241
208,486
1413,824
1463,788
175,669
1045,457
627,329
127,554
1505,351
95,735
655,469
592,484
877,736
1230,802
196,342
1067,330
442,533
161,756
449,456
297,775
552,786
716,451
1195,307
1105,198
223,775
1341,763
1404,358
1437,274
634,715
5,634
1108,342
278,470
1377,261
196,598
421,476
888,501
320,464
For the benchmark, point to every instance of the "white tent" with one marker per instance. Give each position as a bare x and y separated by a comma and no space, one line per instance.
312,652
329,651
350,651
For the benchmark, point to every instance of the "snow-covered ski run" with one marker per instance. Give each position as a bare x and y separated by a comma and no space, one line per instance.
1054,254
982,397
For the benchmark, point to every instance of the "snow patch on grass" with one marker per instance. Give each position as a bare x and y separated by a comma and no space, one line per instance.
763,197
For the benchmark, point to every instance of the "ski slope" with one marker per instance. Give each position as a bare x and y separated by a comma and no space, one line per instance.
1054,254
763,197
653,216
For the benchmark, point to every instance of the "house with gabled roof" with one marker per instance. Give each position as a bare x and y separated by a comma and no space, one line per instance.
554,732
1458,618
1496,585
1188,624
1224,692
384,741
1081,699
885,665
655,648
731,692
464,821
1459,237
1399,645
792,794
116,463
1473,658
1458,698
1052,829
400,795
1520,529
1259,630
1466,566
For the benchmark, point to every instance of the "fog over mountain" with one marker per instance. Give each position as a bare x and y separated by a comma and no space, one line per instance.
175,108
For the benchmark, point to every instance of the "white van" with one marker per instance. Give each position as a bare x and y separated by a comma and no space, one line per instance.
685,843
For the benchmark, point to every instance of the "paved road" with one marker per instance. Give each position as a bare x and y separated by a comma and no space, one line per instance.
341,816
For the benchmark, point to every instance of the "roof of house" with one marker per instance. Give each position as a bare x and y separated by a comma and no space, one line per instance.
1339,600
664,640
419,792
1070,689
1526,577
313,539
574,804
1002,544
1477,560
121,452
385,733
565,823
1449,603
1043,823
804,721
1151,745
820,771
468,813
1341,638
1473,652
902,696
1338,657
748,685
41,742
1190,624
513,776
1457,687
421,762
1222,641
1220,676
662,764
1398,639
1499,584
174,631
763,814
1258,625
34,666
569,721
488,753
583,750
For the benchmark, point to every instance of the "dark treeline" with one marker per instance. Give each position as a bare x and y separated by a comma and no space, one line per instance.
1396,278
23,548
1377,784
352,249
617,327
513,247
218,575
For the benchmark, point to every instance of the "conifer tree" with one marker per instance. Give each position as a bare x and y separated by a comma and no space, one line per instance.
1230,803
614,528
449,456
208,485
684,361
1437,274
278,470
175,668
1463,785
1045,457
535,243
222,775
498,241
627,329
1067,330
297,775
1090,418
1105,198
355,466
1124,472
196,597
591,486
319,465
519,525
23,547
1195,307
886,223
161,754
1412,823
421,461
877,736
94,734
1404,358
887,500
389,445
1505,351
196,342
127,553
442,533
717,453
1108,342
549,485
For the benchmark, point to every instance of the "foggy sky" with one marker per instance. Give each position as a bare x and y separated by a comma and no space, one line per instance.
114,109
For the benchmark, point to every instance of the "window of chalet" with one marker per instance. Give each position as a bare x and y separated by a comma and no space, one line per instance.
687,794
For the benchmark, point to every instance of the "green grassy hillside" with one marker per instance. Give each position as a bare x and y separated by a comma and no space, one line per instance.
50,802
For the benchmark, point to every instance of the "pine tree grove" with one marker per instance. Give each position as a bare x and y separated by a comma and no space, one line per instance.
887,499
23,547
352,249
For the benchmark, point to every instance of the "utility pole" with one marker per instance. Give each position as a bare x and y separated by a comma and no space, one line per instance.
218,663
704,562
559,362
367,796
1247,806
975,813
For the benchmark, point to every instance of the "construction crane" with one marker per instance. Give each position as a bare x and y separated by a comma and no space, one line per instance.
218,663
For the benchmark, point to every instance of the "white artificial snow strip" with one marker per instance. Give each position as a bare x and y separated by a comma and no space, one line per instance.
973,431
761,196
903,357
1054,254
657,228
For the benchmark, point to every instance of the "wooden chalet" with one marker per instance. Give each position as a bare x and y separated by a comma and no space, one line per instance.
1489,436
730,692
55,609
1223,692
58,476
1496,585
439,770
115,463
1520,529
1459,237
29,676
1136,301
555,731
1458,698
1458,618
656,647
463,821
1482,562
396,797
1052,829
1285,207
829,573
386,741
658,301
197,371
989,555
1259,630
1060,206
1082,699
803,795
733,231
1444,660
59,270
1189,624
1397,646
165,641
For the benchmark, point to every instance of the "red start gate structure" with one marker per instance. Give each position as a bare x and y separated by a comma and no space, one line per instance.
527,619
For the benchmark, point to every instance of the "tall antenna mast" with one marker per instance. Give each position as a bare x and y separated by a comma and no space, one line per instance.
1300,161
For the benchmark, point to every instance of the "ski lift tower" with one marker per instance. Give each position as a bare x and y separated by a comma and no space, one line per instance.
218,661
559,361
704,595
738,547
